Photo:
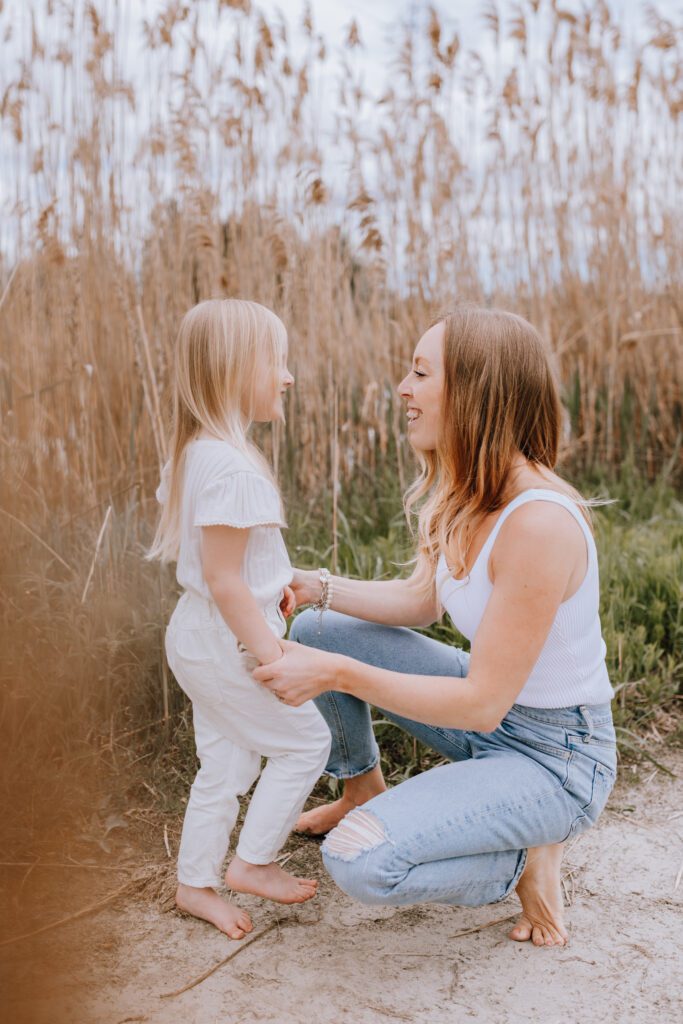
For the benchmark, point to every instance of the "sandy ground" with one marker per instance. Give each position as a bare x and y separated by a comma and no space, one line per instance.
335,961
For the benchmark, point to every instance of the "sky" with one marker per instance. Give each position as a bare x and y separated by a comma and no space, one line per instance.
379,23
377,18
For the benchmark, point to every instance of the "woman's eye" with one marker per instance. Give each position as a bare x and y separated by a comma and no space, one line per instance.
418,373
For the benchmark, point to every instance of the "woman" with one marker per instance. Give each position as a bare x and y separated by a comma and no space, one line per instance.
505,546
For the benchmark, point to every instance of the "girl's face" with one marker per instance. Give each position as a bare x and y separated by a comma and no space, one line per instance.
269,391
422,390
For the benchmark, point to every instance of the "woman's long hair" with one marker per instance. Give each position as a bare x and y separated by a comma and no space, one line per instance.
223,347
500,398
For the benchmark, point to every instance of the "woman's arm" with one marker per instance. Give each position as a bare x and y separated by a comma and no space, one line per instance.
390,602
536,555
222,550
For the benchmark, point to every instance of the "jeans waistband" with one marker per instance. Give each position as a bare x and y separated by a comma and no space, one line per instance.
590,715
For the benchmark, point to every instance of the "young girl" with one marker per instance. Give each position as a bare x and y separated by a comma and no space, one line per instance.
221,514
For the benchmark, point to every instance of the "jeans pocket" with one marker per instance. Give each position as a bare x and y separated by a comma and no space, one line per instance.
592,797
544,738
603,781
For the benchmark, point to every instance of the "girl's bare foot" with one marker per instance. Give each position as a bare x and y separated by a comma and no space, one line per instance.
269,881
207,904
540,893
357,791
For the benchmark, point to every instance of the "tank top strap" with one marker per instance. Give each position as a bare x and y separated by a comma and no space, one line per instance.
541,494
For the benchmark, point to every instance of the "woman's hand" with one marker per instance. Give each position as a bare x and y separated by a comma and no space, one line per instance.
305,587
300,675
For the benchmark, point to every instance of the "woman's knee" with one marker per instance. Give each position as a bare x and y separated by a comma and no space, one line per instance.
358,856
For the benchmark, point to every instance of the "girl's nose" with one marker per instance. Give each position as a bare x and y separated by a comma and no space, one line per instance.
404,388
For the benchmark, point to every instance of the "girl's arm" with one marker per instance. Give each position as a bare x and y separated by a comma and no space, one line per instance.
222,550
536,553
390,602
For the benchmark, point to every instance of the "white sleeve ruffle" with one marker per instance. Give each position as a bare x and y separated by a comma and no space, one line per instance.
242,499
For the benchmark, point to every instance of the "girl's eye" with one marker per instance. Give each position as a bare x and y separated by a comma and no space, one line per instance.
418,373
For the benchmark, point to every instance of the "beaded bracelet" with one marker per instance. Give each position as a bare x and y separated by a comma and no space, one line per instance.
325,595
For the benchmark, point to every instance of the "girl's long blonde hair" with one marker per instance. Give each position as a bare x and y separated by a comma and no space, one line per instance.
500,398
223,347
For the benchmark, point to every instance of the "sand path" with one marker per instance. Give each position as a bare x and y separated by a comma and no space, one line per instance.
335,961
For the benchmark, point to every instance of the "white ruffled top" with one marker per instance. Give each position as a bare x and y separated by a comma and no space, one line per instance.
223,487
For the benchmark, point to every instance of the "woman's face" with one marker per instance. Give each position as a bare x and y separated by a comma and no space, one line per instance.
270,389
422,390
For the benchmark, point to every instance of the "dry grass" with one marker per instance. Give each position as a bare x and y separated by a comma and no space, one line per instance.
540,174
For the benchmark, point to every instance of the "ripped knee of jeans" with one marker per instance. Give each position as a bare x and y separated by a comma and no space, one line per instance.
359,832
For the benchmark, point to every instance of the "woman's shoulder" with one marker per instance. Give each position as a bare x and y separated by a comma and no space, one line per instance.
543,525
543,493
542,510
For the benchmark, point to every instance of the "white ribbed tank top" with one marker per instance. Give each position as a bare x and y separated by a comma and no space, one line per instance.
571,667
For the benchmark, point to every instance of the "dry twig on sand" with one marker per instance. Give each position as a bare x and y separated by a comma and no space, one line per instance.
207,974
480,927
387,1012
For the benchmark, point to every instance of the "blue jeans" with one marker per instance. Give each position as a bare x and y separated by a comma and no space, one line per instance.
458,833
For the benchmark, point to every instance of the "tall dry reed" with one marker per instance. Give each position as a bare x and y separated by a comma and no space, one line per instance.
149,165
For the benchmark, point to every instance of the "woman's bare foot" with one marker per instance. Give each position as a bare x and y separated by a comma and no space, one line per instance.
540,893
207,904
269,881
357,791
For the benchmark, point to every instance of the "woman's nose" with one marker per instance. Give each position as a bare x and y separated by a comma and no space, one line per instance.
403,388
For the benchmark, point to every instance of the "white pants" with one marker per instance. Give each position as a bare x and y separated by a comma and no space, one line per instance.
236,722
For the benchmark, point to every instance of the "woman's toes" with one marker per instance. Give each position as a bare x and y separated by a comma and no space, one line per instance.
522,931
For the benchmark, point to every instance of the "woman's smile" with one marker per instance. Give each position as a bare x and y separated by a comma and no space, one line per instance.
424,385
